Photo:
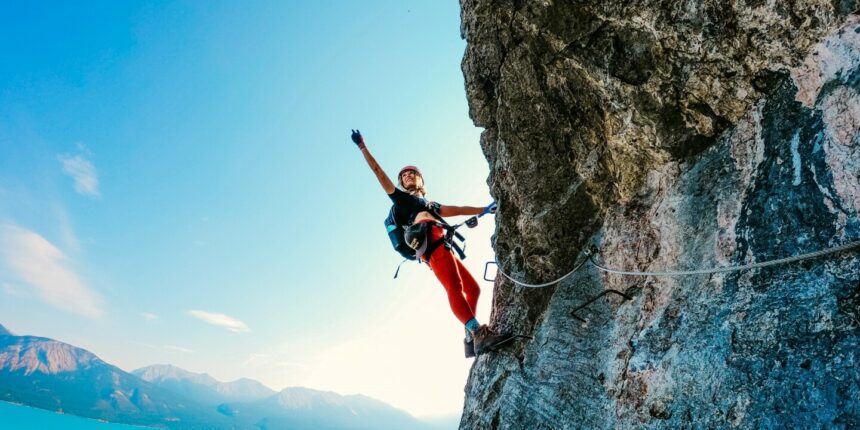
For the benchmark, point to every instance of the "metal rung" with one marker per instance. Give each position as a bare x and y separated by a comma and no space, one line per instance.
590,301
487,266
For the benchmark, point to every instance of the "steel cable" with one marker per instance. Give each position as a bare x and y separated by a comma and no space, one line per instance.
589,257
800,257
545,284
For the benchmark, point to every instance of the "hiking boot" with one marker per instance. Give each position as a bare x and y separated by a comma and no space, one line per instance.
487,340
469,346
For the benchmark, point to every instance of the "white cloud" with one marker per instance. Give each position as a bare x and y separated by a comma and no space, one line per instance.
257,360
83,172
67,232
148,316
179,349
270,361
221,320
43,267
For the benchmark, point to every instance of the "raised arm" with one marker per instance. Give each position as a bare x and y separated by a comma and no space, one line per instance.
384,180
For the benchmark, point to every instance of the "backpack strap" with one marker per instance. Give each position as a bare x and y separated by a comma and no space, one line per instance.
398,267
460,251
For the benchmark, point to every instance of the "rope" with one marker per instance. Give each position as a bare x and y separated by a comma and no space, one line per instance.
590,258
545,284
800,257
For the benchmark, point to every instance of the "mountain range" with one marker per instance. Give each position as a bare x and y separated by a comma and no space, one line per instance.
202,387
53,375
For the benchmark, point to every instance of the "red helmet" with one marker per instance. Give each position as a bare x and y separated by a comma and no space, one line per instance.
405,168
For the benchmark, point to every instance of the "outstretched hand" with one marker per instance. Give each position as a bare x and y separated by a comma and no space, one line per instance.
358,139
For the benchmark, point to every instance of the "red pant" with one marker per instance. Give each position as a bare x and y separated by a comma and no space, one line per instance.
461,287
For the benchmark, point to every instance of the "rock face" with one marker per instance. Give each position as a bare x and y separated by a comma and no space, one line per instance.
670,136
27,355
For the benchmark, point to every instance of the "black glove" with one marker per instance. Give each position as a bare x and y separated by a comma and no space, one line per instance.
358,139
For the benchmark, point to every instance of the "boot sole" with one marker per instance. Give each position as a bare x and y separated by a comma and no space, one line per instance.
470,351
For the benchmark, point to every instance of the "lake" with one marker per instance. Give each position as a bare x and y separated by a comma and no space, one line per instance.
16,417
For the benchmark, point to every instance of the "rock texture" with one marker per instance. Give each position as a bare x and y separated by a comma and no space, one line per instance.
670,135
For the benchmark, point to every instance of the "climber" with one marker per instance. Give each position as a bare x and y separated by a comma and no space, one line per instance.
425,233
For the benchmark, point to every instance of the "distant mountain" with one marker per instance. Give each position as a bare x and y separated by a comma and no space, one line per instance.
245,389
305,409
57,376
53,375
202,387
292,408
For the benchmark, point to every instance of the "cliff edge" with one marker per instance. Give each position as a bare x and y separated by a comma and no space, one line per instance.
670,136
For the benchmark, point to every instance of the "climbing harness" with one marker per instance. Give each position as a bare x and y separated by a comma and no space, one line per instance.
589,257
428,248
451,231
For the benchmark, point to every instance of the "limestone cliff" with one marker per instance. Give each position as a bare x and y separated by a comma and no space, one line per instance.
670,135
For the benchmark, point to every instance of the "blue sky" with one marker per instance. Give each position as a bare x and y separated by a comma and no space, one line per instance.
177,185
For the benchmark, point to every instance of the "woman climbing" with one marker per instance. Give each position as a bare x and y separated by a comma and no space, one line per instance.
427,238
